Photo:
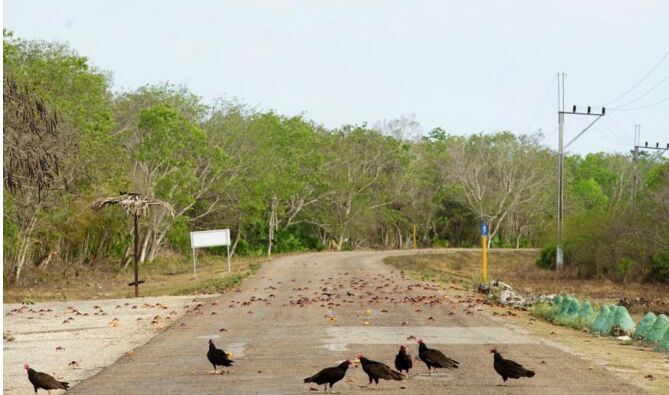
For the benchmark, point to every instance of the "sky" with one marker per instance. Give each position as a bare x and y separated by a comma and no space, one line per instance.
464,66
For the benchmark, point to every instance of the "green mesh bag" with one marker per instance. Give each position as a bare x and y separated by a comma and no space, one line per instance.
573,308
599,325
644,326
664,343
566,302
587,315
610,319
658,330
622,319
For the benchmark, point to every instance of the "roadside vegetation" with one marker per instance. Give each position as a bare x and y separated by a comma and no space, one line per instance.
166,276
518,268
284,183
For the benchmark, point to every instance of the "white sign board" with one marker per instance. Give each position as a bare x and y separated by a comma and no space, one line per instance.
210,238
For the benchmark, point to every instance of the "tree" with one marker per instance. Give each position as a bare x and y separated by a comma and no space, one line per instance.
55,143
496,174
172,161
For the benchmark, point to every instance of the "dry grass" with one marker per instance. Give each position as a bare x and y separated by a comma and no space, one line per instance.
166,277
518,268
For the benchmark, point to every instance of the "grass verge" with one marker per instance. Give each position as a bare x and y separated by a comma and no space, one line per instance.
165,276
518,268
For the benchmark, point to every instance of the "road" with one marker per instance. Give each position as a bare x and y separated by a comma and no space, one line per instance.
282,328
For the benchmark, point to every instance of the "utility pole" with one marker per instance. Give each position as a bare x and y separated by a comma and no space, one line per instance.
637,138
559,258
637,147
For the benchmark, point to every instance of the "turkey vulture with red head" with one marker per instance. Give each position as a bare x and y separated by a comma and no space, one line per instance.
435,358
329,375
218,357
403,360
377,370
509,369
44,381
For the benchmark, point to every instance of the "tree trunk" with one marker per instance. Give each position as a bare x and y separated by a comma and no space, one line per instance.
399,237
155,246
127,257
24,248
272,224
339,243
145,244
237,238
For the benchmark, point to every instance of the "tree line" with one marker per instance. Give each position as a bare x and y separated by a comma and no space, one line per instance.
286,183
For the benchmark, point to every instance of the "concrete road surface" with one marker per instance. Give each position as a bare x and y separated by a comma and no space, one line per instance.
295,317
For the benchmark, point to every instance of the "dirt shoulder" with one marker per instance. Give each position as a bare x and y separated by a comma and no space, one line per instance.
74,340
632,362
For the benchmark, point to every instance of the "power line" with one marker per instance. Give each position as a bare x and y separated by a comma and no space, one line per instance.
640,81
541,104
618,131
642,107
643,95
611,136
620,128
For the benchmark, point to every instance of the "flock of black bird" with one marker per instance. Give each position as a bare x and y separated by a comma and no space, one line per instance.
375,370
434,359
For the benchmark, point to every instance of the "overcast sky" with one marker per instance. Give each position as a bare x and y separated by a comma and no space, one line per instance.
465,66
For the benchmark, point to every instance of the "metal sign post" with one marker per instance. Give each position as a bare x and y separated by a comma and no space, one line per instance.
484,244
210,238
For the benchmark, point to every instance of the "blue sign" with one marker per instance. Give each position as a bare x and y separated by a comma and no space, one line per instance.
484,229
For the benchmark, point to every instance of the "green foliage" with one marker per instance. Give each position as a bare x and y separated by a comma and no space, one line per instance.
660,267
284,183
590,193
179,236
625,266
547,258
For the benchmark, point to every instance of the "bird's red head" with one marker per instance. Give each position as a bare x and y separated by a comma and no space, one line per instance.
419,341
359,355
494,350
403,347
25,366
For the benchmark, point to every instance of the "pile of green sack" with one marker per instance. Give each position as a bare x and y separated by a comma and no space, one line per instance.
610,320
653,330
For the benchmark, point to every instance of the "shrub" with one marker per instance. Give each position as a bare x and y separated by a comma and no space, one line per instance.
660,267
547,258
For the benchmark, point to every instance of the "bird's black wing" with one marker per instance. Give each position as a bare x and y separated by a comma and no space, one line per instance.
383,371
327,375
438,359
219,357
509,368
47,382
